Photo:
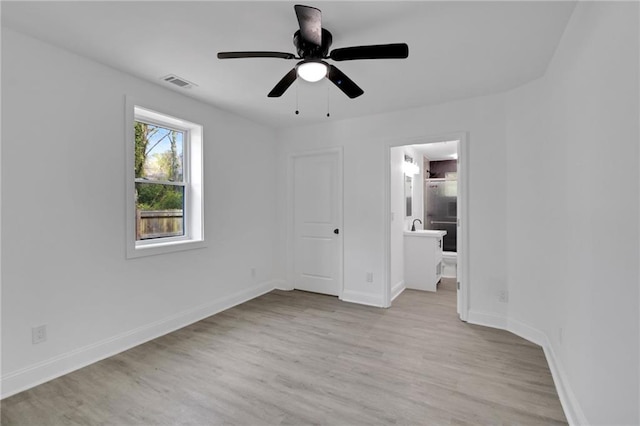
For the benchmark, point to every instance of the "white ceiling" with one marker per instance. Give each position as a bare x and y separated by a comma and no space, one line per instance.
456,49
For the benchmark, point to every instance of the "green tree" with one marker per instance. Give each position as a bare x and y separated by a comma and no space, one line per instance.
173,166
152,196
143,134
142,141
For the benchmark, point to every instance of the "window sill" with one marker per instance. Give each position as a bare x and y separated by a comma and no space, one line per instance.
163,248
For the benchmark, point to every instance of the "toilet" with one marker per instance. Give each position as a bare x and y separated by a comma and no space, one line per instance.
449,264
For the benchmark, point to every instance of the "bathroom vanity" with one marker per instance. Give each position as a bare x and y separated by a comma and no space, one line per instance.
423,259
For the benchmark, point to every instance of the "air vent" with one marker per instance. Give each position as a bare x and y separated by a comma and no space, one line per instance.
178,81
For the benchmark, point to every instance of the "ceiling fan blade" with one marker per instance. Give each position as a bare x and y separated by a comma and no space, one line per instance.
376,51
344,83
310,21
236,55
283,84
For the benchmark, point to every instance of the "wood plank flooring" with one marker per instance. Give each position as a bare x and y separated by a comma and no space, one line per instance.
293,358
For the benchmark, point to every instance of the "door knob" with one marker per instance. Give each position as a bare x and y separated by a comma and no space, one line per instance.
336,231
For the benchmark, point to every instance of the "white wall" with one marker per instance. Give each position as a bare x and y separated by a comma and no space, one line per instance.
63,217
366,142
572,233
398,226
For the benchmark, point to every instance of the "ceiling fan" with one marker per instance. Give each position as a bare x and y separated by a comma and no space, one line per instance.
312,43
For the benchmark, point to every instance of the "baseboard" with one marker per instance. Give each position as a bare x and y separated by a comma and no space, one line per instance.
282,285
487,319
36,374
527,332
397,290
570,405
362,298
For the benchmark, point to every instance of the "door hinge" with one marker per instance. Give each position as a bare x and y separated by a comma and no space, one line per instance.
458,285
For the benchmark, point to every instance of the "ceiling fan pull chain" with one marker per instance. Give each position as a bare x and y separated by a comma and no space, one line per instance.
328,104
297,110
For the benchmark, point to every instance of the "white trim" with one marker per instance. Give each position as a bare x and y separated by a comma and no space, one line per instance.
194,178
526,332
163,247
463,197
1,210
33,375
397,290
463,253
570,405
568,400
371,299
282,285
386,248
487,319
290,271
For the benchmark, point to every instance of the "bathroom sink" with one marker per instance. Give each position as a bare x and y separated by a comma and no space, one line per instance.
426,233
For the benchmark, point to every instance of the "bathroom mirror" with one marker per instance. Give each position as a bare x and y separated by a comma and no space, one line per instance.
408,194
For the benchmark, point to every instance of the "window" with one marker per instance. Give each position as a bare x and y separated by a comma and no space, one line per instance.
164,183
160,183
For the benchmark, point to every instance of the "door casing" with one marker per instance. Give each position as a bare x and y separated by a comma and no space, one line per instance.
463,210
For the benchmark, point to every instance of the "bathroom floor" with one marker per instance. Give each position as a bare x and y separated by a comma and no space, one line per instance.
448,284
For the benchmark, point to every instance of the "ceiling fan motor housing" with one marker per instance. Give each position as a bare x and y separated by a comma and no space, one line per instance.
312,43
308,50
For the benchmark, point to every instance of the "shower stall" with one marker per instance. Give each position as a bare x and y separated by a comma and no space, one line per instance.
441,208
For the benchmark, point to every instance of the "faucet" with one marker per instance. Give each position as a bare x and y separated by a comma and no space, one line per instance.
413,225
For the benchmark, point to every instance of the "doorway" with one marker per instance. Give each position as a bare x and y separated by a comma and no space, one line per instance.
315,205
439,203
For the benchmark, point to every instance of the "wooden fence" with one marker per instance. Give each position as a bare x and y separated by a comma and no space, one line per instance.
158,223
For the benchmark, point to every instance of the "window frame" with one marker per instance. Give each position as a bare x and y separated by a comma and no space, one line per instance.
192,181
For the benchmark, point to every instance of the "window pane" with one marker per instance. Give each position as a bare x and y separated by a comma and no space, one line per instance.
159,211
159,153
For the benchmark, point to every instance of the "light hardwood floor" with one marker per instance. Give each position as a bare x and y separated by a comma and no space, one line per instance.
302,358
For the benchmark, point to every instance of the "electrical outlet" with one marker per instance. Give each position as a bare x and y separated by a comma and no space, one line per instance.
253,272
560,335
504,296
369,277
38,334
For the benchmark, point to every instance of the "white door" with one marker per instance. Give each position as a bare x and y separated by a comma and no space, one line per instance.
317,233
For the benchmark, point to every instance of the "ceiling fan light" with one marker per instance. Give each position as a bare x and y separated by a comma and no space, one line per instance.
312,71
